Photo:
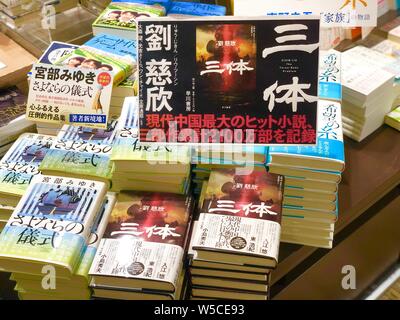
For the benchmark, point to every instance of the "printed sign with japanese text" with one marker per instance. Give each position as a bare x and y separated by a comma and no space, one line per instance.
228,80
69,95
345,13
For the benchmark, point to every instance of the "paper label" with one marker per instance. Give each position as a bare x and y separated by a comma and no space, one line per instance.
69,95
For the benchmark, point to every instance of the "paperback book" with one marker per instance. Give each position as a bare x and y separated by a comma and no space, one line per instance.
50,225
228,80
143,245
240,219
21,163
119,19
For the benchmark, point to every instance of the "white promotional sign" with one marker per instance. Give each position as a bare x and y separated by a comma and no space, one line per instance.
345,13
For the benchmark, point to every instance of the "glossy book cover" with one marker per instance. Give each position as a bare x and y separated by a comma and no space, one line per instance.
21,163
145,237
229,80
329,136
52,221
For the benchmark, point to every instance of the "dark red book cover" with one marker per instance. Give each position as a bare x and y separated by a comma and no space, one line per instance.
153,217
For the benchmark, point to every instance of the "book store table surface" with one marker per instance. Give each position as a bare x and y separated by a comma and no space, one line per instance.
367,233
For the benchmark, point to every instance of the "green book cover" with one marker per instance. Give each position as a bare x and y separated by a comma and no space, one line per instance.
51,224
82,151
92,58
21,163
123,15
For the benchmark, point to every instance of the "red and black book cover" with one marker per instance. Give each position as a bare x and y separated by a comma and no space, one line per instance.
229,80
153,217
257,195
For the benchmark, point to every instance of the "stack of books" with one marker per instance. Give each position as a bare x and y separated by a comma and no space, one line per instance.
141,255
119,18
146,167
49,229
12,117
210,157
393,119
17,169
235,240
369,90
30,286
394,34
312,175
82,152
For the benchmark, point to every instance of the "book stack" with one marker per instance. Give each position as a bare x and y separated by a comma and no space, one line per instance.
12,117
141,255
146,167
312,175
235,241
369,90
394,34
81,152
220,156
17,169
30,286
119,18
393,119
49,228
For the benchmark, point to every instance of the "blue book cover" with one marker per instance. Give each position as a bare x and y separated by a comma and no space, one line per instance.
115,45
52,221
56,51
196,9
330,86
329,137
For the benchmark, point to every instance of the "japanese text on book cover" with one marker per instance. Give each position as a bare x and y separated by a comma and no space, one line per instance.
224,80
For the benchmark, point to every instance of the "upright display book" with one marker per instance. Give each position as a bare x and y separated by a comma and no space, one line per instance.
115,45
65,95
228,80
50,225
328,154
12,105
119,19
21,163
96,58
240,219
143,245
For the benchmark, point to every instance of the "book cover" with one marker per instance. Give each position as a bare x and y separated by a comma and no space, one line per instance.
127,146
145,238
330,78
241,214
179,8
97,232
12,105
52,222
82,151
88,57
228,80
115,45
123,15
21,163
393,118
55,51
330,144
